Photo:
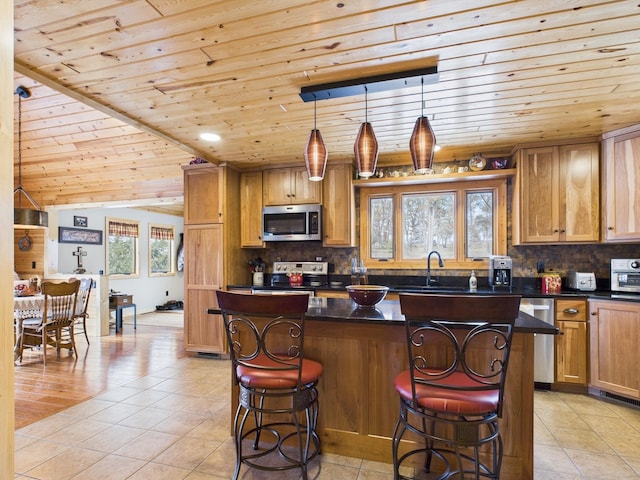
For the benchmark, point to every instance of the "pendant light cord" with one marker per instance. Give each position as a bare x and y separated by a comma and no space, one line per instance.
366,107
23,92
19,146
315,105
422,96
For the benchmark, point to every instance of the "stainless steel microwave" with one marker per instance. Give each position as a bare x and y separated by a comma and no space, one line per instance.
292,223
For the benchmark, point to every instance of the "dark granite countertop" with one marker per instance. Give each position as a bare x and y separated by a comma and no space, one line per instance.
388,312
526,292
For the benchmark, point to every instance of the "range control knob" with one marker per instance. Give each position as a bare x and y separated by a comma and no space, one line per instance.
635,264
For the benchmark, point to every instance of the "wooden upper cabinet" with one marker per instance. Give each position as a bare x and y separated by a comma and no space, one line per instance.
289,186
203,194
338,219
539,207
580,193
251,210
621,171
557,195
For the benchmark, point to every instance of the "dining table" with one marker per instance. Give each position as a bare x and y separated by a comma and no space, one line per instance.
25,306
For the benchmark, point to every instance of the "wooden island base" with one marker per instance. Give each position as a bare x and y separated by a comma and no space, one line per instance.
359,406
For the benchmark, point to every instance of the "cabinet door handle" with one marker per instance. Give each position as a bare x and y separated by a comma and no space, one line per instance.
609,228
593,314
571,311
562,231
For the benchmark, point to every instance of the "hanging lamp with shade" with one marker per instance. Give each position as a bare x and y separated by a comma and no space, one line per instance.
366,146
25,217
315,153
422,144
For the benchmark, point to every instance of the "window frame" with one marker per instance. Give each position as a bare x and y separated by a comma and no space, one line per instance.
136,272
172,252
460,189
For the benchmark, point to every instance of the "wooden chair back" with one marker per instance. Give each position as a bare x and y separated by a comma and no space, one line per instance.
84,292
59,303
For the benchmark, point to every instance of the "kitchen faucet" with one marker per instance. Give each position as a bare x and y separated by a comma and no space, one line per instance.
440,264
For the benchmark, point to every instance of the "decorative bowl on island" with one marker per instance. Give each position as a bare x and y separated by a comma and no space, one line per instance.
367,295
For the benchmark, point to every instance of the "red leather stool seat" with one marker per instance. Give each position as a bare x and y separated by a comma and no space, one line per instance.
458,402
262,378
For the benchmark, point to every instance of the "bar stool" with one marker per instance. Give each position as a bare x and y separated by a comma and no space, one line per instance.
451,396
277,385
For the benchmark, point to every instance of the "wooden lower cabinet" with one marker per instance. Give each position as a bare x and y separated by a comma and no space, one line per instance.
572,345
615,356
203,275
204,333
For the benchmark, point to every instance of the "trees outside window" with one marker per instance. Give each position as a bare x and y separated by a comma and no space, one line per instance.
464,221
161,250
122,247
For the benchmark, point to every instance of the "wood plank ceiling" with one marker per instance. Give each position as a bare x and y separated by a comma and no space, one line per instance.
122,89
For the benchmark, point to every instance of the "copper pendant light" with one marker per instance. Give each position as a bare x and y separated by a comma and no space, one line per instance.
25,217
423,142
366,146
315,153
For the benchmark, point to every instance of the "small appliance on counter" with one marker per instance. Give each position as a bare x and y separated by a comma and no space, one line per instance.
583,281
625,275
500,270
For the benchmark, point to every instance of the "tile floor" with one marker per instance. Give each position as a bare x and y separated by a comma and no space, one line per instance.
174,424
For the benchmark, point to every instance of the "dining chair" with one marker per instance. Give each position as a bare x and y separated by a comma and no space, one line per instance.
55,326
80,317
451,396
276,382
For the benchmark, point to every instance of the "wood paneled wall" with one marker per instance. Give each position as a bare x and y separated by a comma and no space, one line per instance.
30,262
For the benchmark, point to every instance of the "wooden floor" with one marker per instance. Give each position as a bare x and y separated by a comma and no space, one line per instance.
108,362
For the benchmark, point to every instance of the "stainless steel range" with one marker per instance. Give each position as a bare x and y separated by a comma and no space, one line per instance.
314,274
625,275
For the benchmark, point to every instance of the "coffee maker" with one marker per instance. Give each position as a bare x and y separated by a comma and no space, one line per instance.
500,268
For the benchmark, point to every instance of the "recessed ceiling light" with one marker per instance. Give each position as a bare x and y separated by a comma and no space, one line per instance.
210,137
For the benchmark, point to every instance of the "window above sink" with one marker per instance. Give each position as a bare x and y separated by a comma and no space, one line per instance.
465,222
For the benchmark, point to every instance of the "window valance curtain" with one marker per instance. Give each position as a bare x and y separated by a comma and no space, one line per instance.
123,229
161,233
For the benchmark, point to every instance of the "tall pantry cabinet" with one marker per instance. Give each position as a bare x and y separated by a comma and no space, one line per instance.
213,257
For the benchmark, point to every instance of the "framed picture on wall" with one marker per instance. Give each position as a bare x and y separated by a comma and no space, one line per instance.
79,221
79,235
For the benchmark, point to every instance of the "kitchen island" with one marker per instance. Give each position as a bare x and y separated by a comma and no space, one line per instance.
363,349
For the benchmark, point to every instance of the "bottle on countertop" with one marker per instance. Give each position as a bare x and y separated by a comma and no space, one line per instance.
473,281
355,272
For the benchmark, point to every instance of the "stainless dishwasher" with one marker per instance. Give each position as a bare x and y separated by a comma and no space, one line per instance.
543,360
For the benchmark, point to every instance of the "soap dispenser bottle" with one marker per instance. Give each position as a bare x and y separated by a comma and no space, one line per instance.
473,281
